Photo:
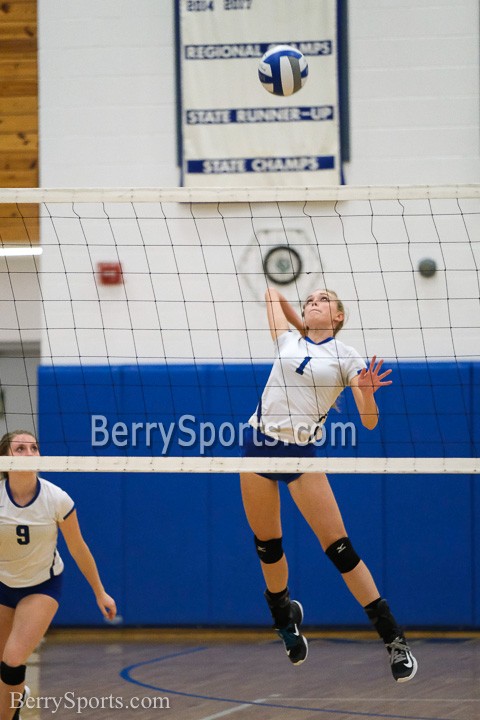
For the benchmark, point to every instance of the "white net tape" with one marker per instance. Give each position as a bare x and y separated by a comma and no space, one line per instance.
336,193
376,466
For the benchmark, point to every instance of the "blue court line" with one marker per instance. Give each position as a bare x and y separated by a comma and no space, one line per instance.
125,675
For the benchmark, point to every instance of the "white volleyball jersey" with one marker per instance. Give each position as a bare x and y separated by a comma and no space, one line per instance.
28,535
304,383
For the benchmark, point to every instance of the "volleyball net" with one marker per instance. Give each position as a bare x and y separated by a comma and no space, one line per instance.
134,335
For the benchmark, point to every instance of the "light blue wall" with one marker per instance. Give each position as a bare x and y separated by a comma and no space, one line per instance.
176,549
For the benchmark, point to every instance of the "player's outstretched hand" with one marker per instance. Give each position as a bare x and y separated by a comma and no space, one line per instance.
370,379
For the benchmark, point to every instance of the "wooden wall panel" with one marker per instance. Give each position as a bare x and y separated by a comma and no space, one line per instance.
18,116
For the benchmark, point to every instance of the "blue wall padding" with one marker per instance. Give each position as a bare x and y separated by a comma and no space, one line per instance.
177,550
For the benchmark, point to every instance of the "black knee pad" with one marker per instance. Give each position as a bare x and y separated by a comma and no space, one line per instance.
269,551
12,675
342,554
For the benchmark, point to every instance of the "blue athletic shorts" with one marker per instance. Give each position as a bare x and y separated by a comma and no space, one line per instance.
256,444
11,596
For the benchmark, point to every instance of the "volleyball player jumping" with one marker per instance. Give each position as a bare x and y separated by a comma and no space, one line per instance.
31,510
310,371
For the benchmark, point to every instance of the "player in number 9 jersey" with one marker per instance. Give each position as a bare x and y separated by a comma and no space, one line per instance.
31,511
311,368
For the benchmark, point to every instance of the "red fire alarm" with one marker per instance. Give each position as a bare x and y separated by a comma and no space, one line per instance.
110,273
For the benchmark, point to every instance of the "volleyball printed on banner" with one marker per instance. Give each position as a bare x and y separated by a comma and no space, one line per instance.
283,70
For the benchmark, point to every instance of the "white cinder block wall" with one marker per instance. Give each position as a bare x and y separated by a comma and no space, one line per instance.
414,91
107,93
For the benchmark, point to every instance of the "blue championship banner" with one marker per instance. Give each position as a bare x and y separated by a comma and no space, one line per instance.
234,132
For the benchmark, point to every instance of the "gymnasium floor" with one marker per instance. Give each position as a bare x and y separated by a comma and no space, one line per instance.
205,675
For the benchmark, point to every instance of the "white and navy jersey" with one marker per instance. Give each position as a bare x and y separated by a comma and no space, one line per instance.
28,535
305,381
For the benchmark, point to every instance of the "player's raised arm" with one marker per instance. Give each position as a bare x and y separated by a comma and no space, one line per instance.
281,314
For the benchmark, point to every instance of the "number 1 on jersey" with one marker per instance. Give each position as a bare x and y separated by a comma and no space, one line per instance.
303,365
